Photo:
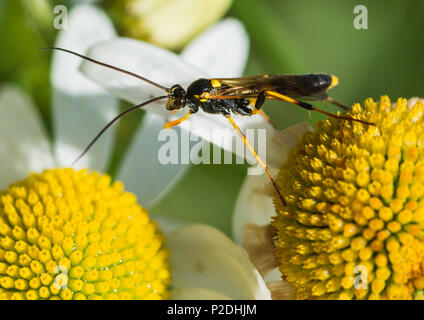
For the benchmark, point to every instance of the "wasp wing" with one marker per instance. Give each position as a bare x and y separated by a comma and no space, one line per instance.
306,87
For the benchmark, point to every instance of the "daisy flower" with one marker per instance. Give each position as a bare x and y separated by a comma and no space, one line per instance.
75,234
352,227
221,50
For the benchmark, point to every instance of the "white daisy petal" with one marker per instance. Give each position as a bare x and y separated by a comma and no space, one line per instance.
274,275
281,290
252,206
81,108
203,257
141,169
254,202
259,244
144,59
24,145
289,137
166,69
221,50
196,294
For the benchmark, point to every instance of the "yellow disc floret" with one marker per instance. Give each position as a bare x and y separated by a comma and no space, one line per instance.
354,221
75,235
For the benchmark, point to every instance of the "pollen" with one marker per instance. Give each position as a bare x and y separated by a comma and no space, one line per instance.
67,234
355,200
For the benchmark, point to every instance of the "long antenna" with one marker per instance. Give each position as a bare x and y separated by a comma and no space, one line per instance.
112,122
111,67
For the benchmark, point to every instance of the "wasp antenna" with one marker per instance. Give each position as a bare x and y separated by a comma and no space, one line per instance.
110,67
112,122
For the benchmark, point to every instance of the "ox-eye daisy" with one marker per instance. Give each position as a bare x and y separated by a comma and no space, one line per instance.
353,224
75,234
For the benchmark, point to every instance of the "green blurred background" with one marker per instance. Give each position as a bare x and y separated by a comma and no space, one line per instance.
286,36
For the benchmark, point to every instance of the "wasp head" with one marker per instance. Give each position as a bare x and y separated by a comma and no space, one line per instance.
176,99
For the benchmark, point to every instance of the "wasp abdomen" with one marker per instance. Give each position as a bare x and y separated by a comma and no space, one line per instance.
317,81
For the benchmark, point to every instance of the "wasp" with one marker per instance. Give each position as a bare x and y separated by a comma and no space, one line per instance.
243,96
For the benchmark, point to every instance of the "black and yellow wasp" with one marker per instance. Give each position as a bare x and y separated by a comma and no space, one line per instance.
242,96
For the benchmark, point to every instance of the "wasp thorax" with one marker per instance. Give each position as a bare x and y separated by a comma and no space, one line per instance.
177,98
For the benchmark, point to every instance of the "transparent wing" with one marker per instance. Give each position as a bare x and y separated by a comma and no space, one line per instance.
295,86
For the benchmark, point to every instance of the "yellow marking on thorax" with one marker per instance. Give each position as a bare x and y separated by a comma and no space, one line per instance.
204,96
215,83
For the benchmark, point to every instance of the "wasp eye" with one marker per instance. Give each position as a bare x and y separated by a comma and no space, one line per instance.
177,98
172,105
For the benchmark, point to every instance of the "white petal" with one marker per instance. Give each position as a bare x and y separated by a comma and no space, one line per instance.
24,145
290,137
203,257
274,275
196,294
254,204
149,61
259,244
81,108
165,68
281,290
141,170
221,50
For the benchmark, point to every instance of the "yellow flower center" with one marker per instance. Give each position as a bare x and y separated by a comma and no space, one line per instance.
354,221
74,235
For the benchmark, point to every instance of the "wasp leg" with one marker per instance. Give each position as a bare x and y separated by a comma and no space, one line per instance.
242,110
337,104
174,123
262,164
260,100
307,106
257,108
